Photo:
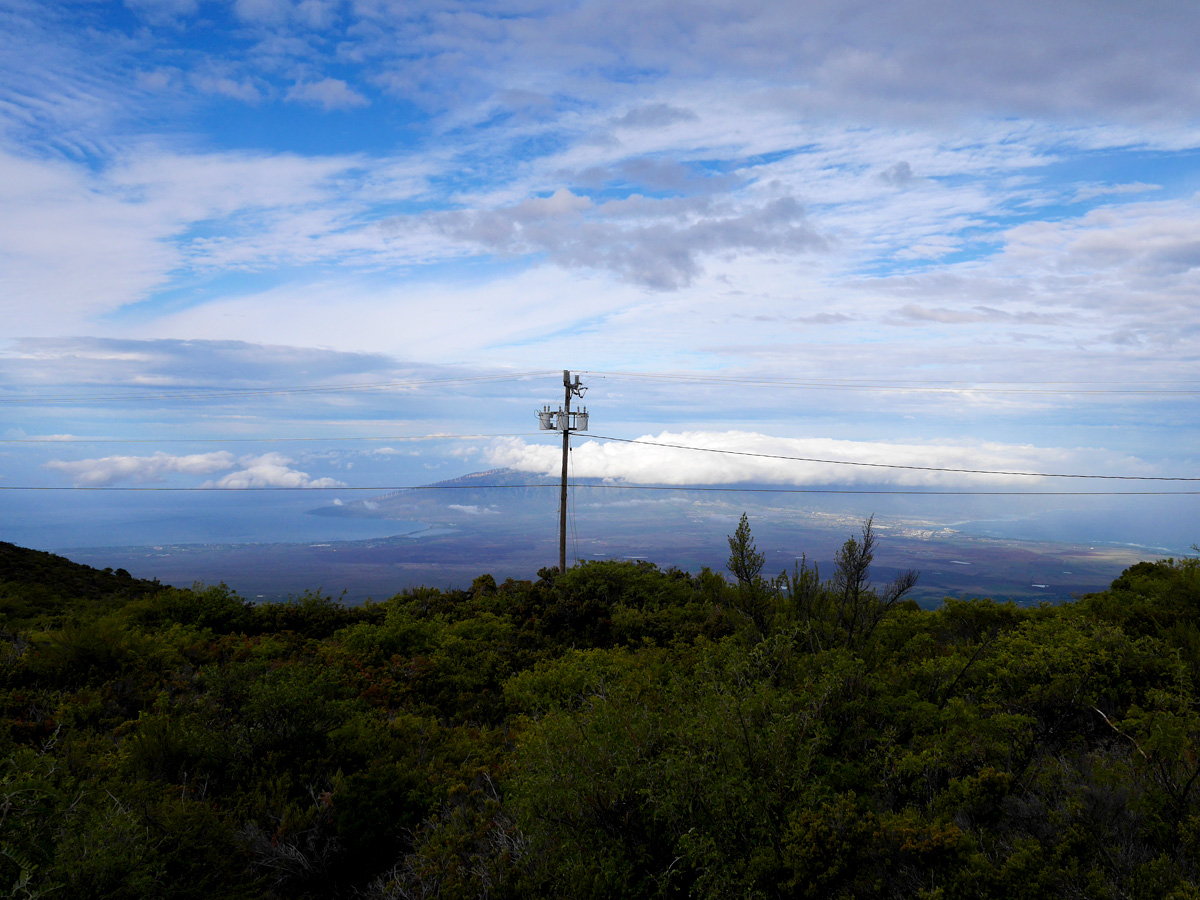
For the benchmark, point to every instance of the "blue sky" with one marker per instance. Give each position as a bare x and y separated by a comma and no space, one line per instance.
925,233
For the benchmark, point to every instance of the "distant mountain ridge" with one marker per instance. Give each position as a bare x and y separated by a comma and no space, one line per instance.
501,489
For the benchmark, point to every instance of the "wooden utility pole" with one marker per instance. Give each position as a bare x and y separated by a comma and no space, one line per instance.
566,421
562,497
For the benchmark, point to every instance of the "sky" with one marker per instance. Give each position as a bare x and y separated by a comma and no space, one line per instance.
337,244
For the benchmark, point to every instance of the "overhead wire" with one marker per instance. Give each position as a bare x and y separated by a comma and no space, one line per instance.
266,440
840,384
197,393
911,386
694,378
607,487
599,437
845,462
690,448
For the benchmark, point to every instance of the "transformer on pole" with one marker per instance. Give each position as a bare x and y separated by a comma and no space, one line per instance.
566,420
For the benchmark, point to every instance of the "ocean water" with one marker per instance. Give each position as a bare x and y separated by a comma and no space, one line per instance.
53,522
1157,525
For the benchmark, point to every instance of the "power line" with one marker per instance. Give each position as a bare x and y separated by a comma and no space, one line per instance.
599,437
606,487
671,446
908,386
227,393
264,440
844,462
760,379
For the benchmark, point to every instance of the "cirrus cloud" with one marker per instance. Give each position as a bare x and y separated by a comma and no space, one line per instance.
328,93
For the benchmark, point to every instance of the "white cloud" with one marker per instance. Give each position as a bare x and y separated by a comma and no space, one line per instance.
162,10
140,469
267,470
1102,190
428,321
262,10
318,14
86,244
73,251
328,93
654,115
912,314
897,175
270,470
911,59
48,363
242,89
736,461
654,243
473,510
19,434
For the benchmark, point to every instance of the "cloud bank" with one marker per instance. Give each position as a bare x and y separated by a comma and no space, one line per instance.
265,471
642,463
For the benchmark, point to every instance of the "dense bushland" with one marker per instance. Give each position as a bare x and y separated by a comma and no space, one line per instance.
616,730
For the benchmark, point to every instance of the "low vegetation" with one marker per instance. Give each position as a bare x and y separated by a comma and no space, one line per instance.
614,731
